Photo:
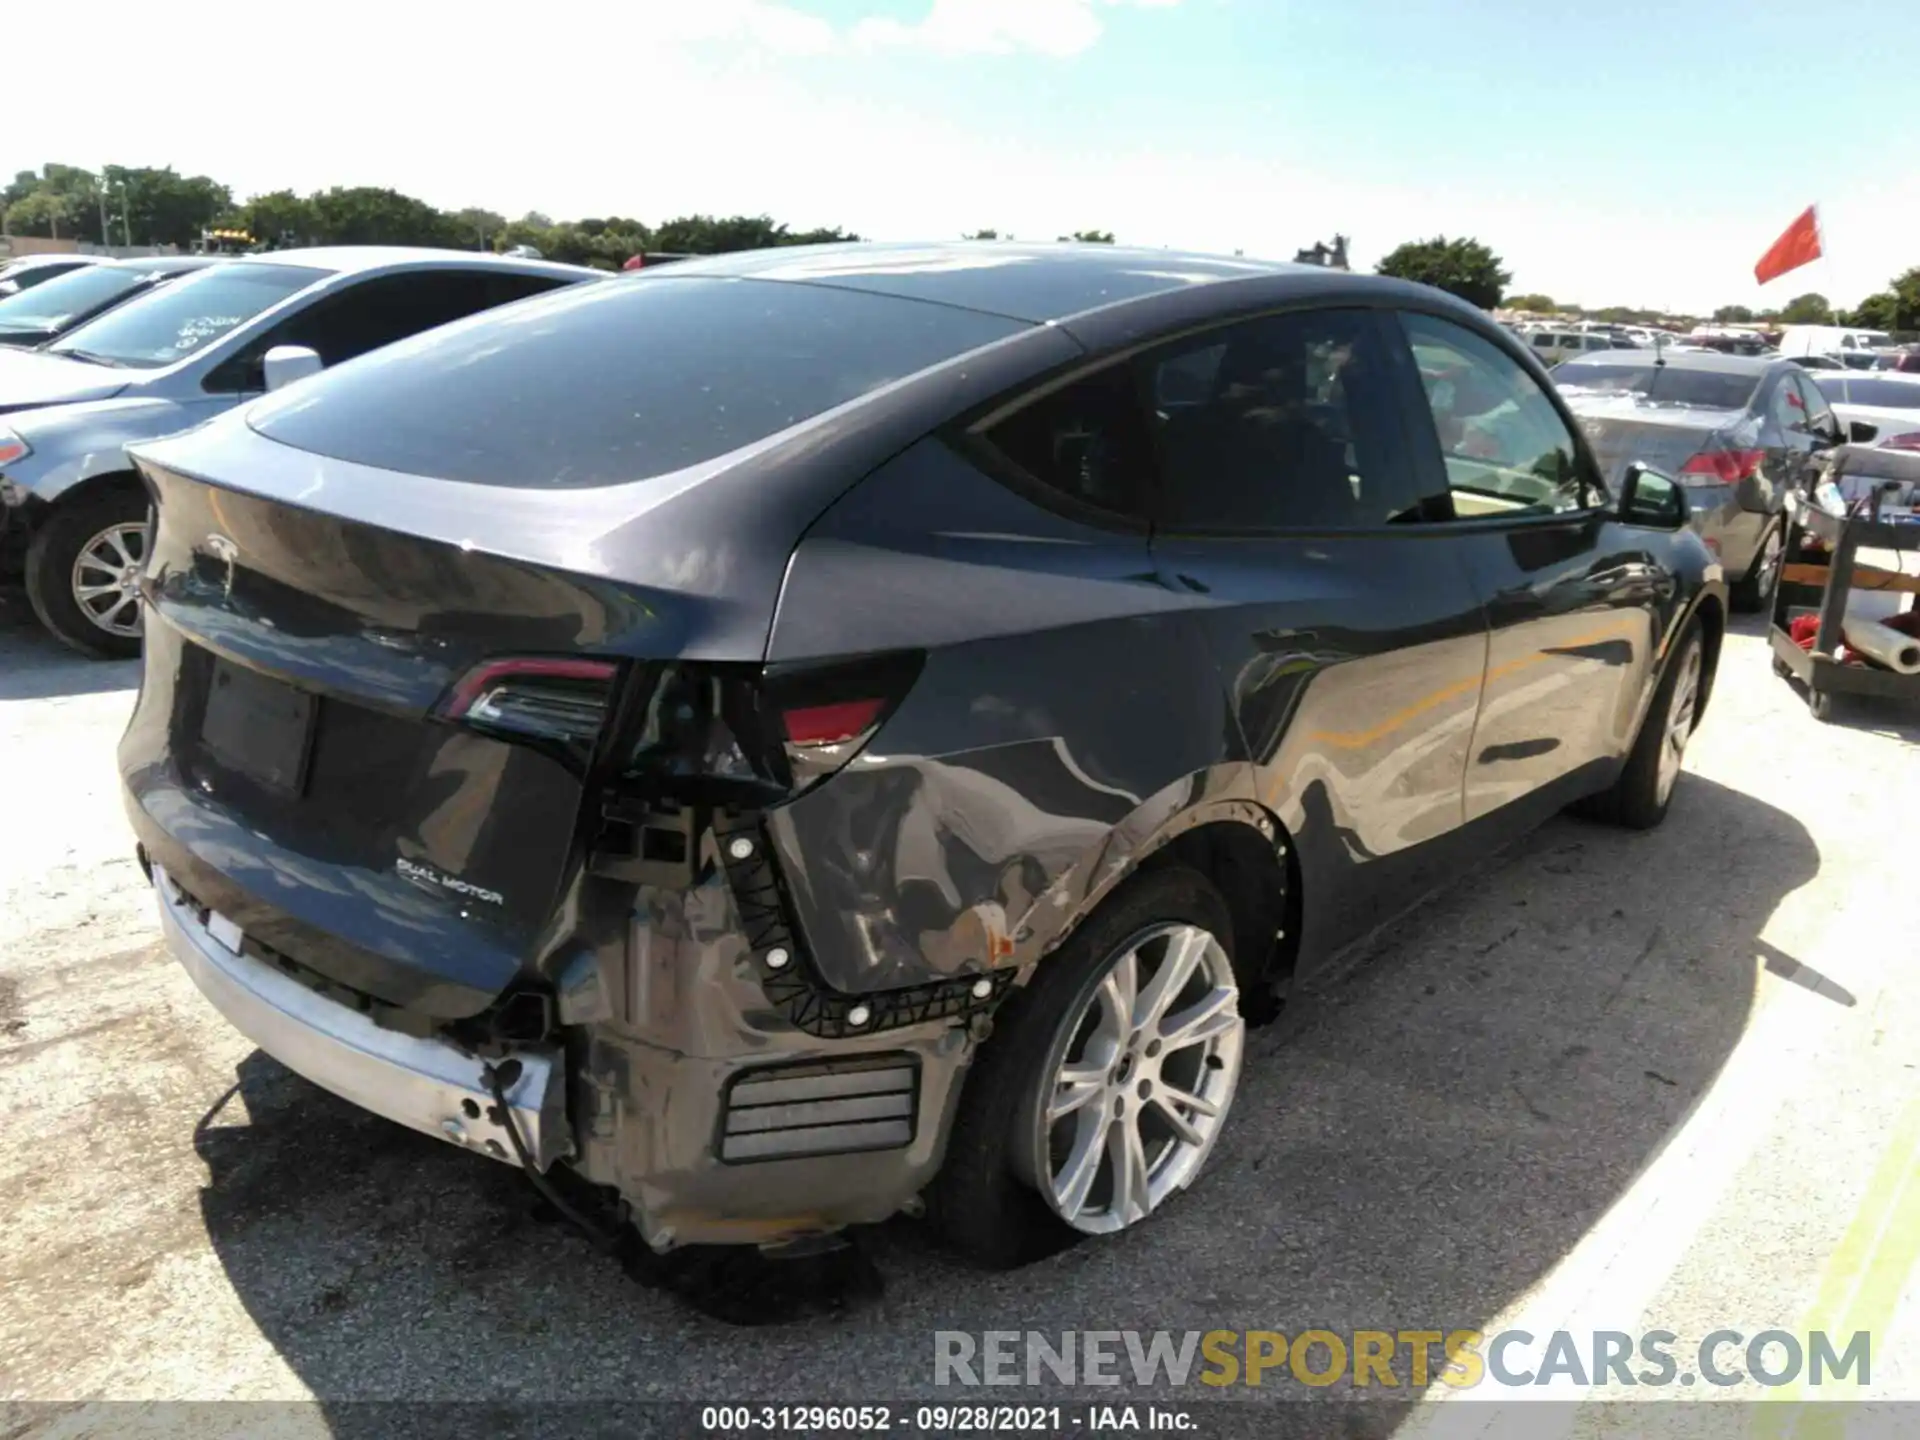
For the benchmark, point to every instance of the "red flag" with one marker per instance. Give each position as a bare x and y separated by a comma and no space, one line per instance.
1796,247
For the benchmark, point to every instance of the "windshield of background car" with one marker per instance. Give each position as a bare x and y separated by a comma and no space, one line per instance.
188,315
49,306
1659,385
623,380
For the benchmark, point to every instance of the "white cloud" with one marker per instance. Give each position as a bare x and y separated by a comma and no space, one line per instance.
1056,28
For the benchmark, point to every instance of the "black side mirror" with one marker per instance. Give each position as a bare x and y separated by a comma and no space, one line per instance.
1862,432
1652,499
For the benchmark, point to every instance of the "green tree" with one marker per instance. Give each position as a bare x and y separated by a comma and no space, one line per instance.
982,235
367,215
64,203
1732,315
1876,312
1895,308
1540,304
160,207
1091,237
277,220
479,226
1809,309
51,214
708,235
1461,267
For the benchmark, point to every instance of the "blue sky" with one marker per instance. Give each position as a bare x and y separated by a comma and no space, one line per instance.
1613,151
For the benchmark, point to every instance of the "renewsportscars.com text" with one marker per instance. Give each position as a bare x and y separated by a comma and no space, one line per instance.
1412,1359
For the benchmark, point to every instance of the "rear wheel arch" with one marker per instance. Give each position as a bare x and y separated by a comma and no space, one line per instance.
1252,863
1241,849
1712,614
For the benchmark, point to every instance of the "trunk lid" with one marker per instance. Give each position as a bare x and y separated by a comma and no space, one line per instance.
321,751
1624,429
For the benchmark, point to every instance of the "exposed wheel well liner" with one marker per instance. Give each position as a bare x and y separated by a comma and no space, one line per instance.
1257,875
1713,630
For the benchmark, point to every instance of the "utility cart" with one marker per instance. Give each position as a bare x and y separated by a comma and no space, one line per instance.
1862,498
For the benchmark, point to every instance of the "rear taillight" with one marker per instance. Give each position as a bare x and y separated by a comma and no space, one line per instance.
812,726
1902,442
828,713
546,698
1727,466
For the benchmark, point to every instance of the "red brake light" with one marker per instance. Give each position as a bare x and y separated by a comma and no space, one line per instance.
831,724
1726,466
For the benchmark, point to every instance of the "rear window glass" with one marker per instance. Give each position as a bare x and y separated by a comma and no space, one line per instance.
1659,384
621,380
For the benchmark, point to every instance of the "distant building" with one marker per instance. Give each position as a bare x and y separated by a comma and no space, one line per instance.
1333,257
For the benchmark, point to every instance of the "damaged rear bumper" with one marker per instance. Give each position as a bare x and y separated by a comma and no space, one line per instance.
429,1085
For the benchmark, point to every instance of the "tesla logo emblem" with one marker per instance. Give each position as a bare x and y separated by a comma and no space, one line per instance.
224,550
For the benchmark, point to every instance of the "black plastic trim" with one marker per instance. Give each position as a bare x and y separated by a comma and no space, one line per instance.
796,988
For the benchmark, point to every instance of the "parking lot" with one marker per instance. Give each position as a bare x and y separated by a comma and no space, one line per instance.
1662,1080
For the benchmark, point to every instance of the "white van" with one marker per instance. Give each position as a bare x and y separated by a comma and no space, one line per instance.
1856,349
1553,346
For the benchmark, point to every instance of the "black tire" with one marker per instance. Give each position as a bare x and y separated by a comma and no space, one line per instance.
1754,591
1636,799
978,1205
50,561
1782,669
1820,704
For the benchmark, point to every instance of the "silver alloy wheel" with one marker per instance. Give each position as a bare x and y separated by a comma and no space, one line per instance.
1767,567
106,578
1140,1077
1681,706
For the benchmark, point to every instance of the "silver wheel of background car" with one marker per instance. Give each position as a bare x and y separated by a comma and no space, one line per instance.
1766,567
1680,713
1141,1075
106,578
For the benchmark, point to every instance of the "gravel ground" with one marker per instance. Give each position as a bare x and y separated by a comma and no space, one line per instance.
1661,1076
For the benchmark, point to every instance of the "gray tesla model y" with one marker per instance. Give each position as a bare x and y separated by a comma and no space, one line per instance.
804,735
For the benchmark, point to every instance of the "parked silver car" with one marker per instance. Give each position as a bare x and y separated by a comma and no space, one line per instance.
73,515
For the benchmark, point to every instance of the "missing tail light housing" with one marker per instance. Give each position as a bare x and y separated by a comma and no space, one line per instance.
559,700
1727,466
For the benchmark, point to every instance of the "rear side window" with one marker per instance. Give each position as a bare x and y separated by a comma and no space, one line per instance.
1087,443
620,380
1301,428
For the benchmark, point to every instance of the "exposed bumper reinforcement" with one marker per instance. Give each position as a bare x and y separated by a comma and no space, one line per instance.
427,1085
